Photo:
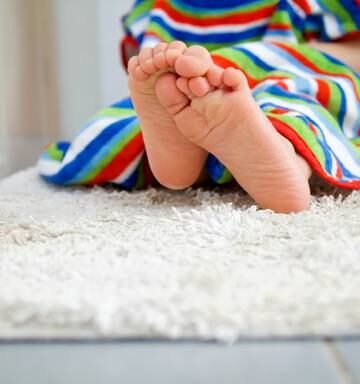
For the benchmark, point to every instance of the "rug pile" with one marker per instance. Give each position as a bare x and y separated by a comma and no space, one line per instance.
104,263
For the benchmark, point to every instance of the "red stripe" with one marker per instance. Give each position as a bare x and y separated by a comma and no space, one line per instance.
283,85
121,161
313,129
312,66
303,5
149,177
302,148
350,35
126,42
323,94
283,27
208,21
339,173
311,35
279,111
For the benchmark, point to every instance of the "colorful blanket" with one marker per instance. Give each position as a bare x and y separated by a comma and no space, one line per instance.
310,97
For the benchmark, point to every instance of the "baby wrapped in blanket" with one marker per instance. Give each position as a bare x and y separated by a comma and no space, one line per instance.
265,92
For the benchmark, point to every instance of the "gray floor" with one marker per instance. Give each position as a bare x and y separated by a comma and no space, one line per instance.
302,361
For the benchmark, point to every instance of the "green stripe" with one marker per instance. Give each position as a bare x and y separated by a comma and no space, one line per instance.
55,153
225,178
116,112
137,12
334,104
356,142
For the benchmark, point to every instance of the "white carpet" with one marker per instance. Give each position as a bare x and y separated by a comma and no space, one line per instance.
195,264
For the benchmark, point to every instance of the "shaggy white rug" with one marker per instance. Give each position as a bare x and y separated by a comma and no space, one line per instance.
195,264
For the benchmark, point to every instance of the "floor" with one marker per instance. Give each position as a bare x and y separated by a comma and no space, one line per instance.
292,361
270,361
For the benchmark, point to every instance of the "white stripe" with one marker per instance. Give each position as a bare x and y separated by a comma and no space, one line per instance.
150,41
273,36
48,167
209,29
128,171
313,86
331,26
273,59
86,137
314,6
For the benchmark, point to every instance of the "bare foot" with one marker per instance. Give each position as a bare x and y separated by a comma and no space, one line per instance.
237,132
175,161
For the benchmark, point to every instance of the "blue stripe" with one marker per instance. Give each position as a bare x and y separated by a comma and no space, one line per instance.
343,106
124,104
294,17
215,168
255,58
131,181
280,32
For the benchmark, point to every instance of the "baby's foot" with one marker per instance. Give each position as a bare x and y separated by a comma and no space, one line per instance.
238,133
175,161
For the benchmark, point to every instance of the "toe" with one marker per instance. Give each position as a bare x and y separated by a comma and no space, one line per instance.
215,76
199,86
132,65
183,86
174,51
146,61
135,69
234,78
140,74
195,61
159,55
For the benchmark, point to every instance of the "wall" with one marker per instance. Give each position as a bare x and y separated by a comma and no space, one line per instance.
59,64
28,86
90,76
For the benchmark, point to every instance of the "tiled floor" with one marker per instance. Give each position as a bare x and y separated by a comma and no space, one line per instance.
306,361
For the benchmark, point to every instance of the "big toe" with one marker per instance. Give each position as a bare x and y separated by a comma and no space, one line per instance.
196,61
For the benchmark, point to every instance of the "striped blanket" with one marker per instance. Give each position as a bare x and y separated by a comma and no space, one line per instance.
310,97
